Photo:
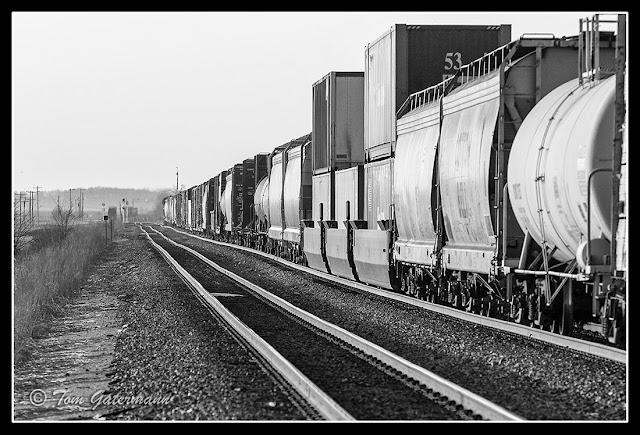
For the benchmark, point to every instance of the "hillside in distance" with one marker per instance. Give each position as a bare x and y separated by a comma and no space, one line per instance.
146,200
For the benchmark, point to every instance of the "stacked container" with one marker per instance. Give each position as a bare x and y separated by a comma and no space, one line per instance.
338,149
409,58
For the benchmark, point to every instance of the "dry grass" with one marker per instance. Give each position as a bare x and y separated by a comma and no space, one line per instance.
44,280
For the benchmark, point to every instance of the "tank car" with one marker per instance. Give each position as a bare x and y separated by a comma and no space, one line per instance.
563,203
562,191
260,205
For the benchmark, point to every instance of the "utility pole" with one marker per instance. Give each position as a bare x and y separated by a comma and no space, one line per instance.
30,192
27,197
19,206
106,219
70,202
24,206
177,179
80,205
38,203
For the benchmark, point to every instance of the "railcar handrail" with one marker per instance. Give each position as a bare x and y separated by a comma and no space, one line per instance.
483,65
425,96
489,62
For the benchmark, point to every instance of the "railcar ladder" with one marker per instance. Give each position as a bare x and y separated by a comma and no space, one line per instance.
589,70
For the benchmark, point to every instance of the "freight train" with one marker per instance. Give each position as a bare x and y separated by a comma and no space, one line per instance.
461,167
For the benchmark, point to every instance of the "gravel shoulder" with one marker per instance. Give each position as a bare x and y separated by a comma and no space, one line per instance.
135,344
529,378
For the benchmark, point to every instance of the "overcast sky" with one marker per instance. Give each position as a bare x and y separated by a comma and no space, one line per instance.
121,99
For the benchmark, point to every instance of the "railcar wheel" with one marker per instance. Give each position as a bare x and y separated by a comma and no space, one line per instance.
403,285
396,284
563,325
412,286
616,333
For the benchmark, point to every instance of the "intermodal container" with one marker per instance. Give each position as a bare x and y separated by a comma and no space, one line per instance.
338,121
409,58
379,191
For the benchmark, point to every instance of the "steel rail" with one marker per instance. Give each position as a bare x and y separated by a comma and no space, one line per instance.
325,405
465,398
595,349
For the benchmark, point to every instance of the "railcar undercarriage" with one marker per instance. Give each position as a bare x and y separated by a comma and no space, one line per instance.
553,303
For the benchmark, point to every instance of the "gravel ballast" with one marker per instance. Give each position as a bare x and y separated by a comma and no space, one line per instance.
527,377
161,345
360,388
166,358
171,346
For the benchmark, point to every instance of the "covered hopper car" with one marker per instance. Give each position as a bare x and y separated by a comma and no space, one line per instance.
492,180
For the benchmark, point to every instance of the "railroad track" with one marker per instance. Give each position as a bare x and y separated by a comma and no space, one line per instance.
531,378
389,383
575,344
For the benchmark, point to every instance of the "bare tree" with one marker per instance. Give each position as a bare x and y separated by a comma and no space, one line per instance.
63,222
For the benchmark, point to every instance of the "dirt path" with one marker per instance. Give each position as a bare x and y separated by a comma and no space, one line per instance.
70,366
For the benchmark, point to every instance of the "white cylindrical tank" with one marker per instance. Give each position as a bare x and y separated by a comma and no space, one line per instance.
276,224
291,189
223,203
567,135
258,201
203,207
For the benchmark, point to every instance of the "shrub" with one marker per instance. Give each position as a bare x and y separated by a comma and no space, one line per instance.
45,279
